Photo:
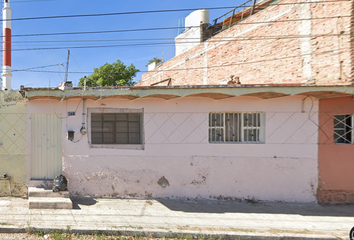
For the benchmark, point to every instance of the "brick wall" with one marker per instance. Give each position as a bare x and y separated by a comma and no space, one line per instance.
272,46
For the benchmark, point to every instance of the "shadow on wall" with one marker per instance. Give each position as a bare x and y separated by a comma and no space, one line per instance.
253,206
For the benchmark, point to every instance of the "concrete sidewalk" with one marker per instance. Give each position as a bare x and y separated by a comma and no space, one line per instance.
229,219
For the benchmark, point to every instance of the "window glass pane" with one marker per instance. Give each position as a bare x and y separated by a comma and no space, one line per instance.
109,117
96,127
339,121
210,121
251,135
251,120
122,138
96,138
231,128
217,120
108,127
121,127
343,129
108,138
134,127
213,135
116,128
134,138
217,134
96,117
122,117
134,117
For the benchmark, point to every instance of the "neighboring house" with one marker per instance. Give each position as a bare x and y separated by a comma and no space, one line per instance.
13,130
335,150
289,41
223,142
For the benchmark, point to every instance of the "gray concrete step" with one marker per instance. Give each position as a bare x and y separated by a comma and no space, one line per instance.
50,203
40,198
48,193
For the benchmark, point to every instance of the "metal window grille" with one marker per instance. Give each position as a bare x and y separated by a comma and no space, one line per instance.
116,128
344,129
236,127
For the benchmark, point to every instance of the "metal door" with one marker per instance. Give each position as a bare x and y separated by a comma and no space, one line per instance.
46,146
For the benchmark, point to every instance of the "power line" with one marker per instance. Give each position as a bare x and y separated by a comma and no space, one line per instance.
171,43
251,38
337,51
227,39
158,11
52,65
25,1
162,28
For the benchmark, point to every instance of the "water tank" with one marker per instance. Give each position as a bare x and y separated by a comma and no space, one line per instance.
197,18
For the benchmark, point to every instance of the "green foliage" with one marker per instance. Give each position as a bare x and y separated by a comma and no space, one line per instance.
154,60
115,74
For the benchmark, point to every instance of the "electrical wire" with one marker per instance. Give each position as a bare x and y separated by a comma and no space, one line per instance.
159,11
338,51
38,67
213,39
159,43
163,28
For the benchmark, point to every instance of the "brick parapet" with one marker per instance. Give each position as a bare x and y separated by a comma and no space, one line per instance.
277,45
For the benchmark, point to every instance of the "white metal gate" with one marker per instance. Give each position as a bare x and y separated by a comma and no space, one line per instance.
46,146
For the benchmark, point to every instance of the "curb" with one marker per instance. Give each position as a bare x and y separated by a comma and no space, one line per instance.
171,234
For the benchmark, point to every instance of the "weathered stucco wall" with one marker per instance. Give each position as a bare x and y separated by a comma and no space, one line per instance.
336,161
292,41
177,149
13,126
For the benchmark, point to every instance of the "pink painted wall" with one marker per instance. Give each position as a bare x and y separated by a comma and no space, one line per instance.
177,147
336,161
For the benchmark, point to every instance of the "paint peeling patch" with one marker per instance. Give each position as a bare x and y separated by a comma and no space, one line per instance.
163,182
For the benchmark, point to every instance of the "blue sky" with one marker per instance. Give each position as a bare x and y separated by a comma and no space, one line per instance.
86,59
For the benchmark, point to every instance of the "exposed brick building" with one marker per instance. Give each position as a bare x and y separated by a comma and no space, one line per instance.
289,41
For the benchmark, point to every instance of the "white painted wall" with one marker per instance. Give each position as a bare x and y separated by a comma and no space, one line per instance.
192,36
177,147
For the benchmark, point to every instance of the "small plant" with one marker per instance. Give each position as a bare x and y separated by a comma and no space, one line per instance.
154,60
29,228
39,233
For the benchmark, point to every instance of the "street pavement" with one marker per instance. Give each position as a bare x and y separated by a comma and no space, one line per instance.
163,218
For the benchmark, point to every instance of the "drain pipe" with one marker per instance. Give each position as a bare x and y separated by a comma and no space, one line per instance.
83,130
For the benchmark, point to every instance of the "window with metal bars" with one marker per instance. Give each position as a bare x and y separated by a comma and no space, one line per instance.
236,127
115,127
344,129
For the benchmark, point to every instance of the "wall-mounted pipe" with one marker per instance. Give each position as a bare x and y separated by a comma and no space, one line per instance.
83,130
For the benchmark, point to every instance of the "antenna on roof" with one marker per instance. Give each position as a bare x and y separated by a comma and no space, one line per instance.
67,67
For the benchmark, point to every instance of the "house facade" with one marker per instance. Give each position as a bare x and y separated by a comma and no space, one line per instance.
261,110
335,155
230,142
